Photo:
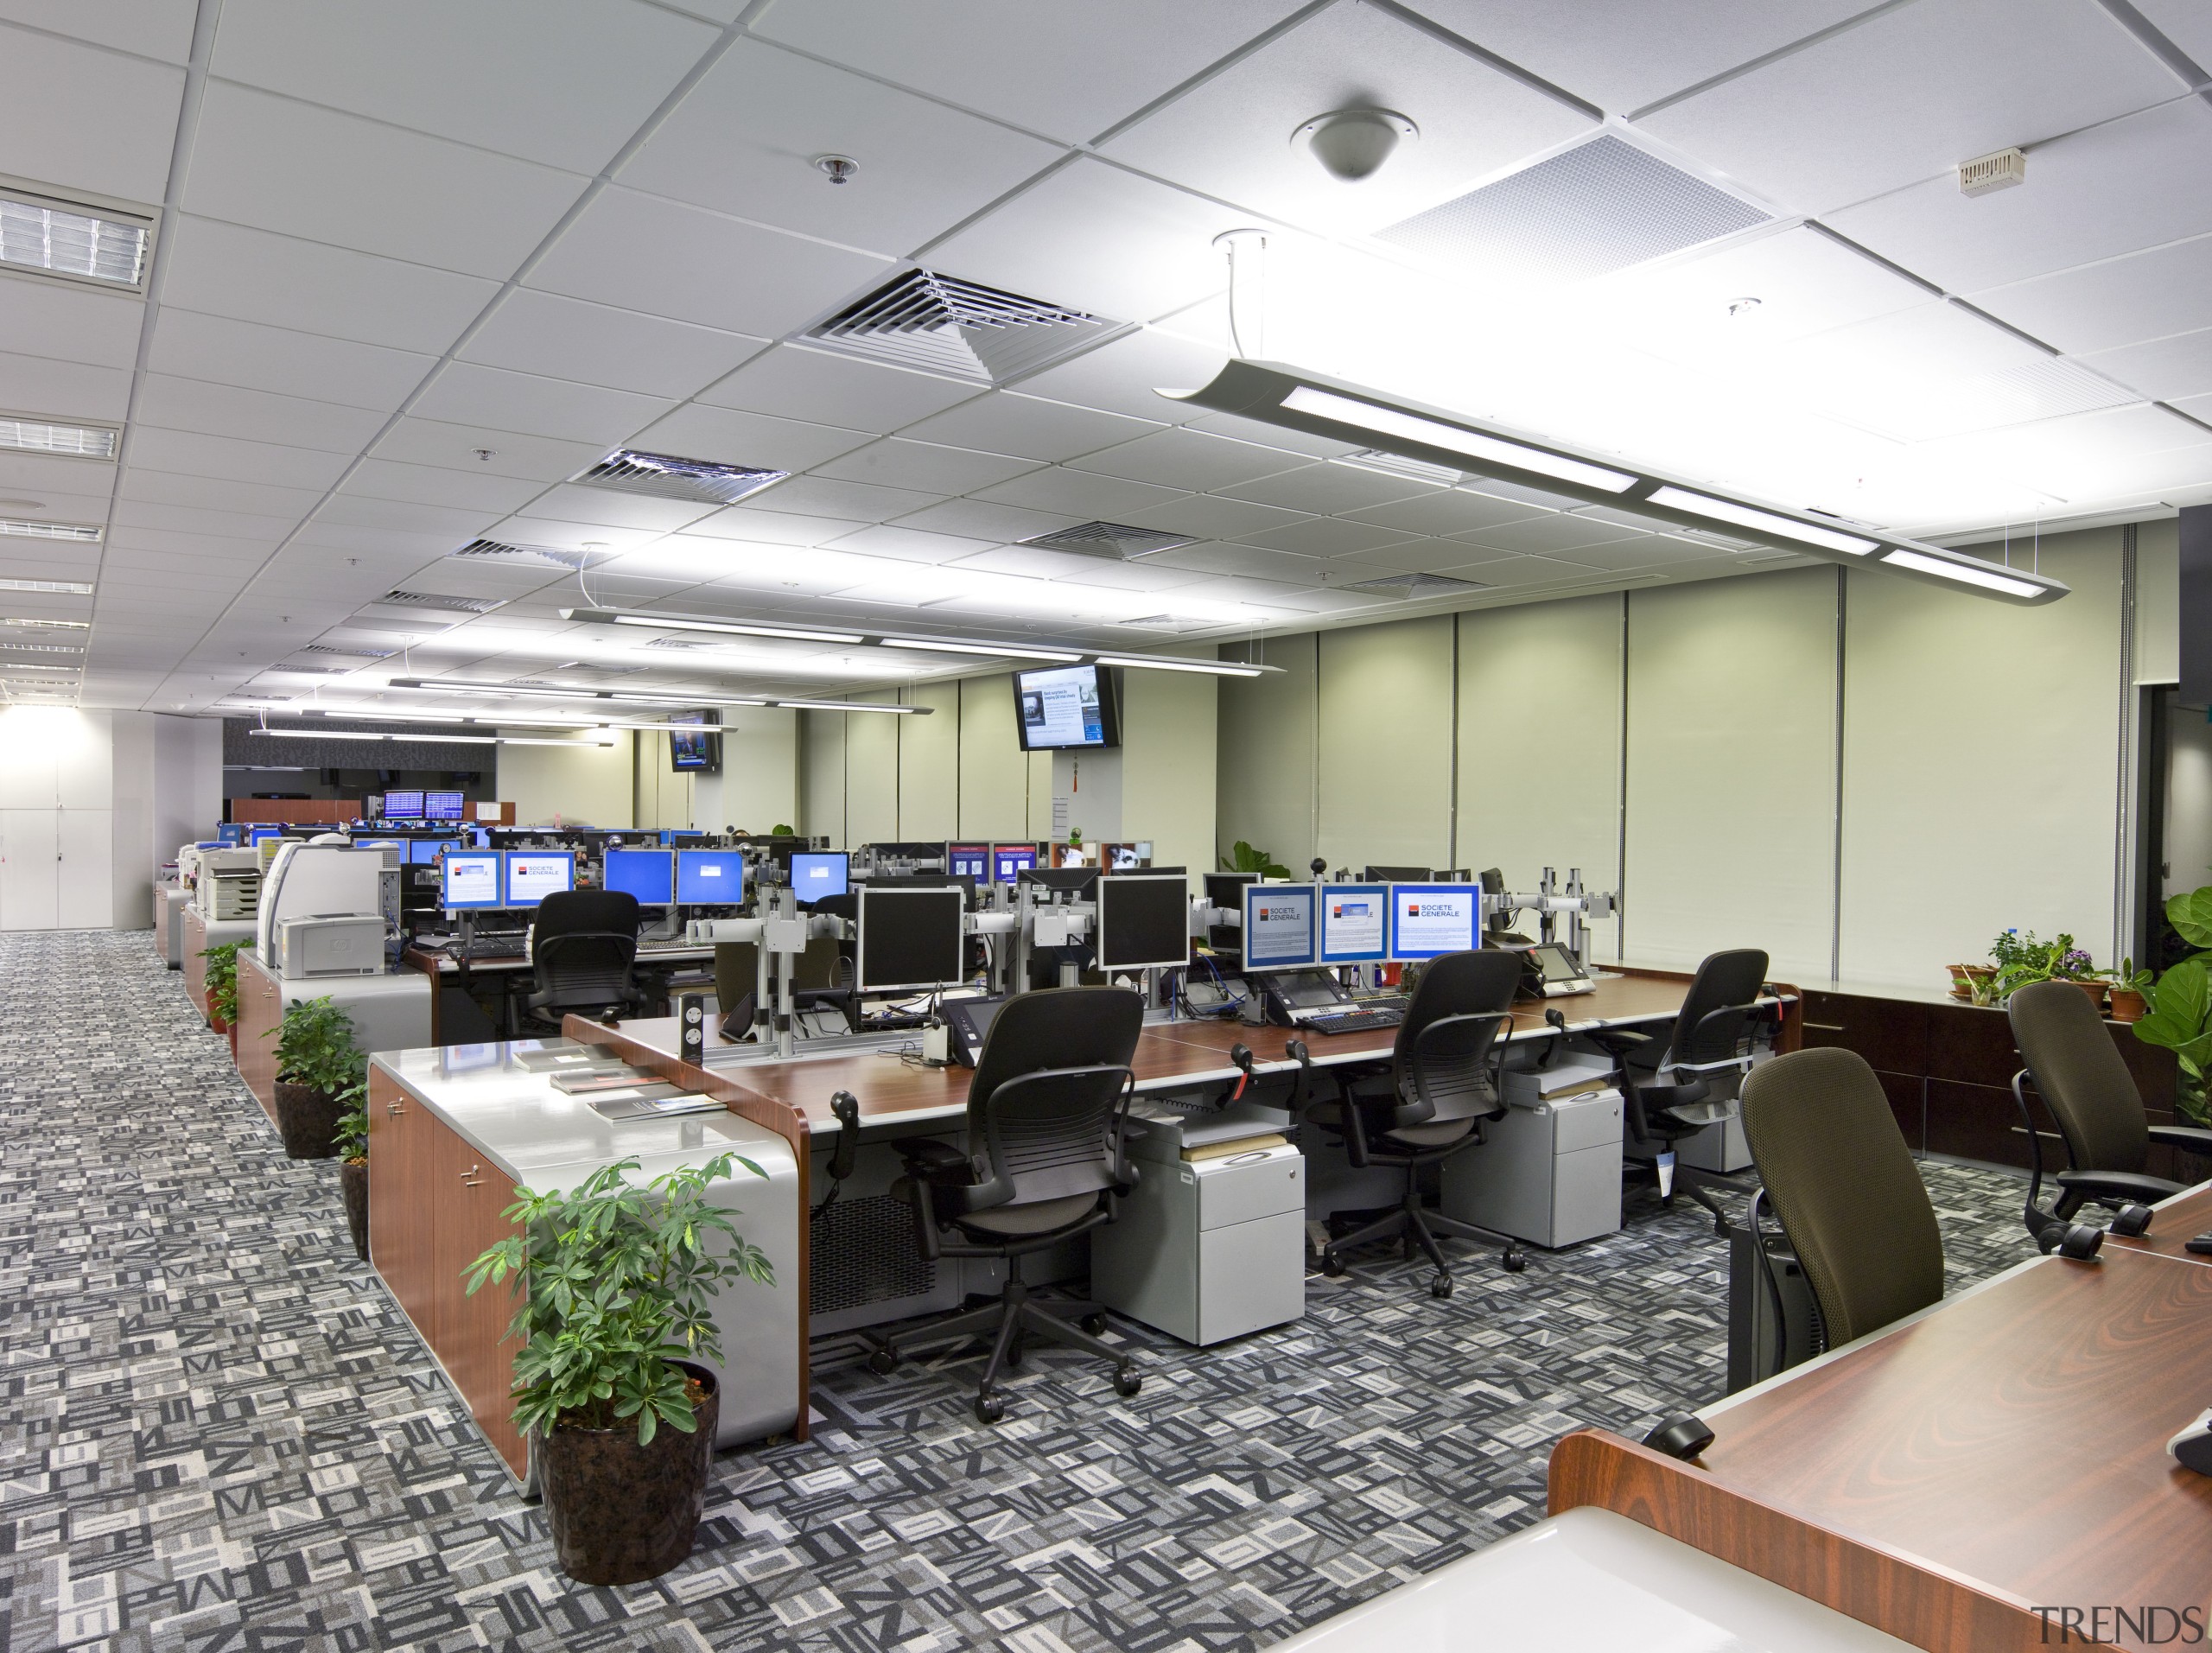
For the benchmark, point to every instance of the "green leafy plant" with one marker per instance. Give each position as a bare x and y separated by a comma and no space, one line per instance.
613,1282
315,1048
781,831
352,1136
2191,914
2128,979
2180,1016
223,981
2022,961
1242,858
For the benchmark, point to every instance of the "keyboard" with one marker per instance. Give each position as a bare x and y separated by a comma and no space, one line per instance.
1397,1002
1353,1022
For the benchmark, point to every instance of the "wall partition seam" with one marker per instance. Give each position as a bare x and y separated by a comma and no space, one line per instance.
1313,814
1620,848
1452,793
2124,766
1835,909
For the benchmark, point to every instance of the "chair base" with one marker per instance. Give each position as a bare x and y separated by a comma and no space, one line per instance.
1016,1315
1671,1174
1417,1227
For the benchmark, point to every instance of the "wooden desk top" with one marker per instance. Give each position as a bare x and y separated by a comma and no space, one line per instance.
2016,1436
1168,1054
2177,1219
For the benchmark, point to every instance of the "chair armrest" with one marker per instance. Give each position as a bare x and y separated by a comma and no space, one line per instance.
2119,1184
1617,1041
934,1161
2188,1138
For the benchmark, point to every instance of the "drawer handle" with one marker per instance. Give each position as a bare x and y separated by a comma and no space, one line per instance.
1823,1027
468,1177
394,1109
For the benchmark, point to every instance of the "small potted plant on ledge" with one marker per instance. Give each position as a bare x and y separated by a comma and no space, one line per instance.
2131,992
615,1285
318,1071
223,990
351,1140
2022,960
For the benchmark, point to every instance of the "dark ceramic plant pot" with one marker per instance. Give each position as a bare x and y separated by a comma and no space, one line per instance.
308,1120
622,1513
353,1184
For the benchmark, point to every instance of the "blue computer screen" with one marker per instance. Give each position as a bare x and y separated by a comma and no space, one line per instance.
403,806
1278,926
470,878
440,806
231,832
424,852
817,875
1429,920
1012,860
256,835
649,874
1355,923
709,877
974,860
529,875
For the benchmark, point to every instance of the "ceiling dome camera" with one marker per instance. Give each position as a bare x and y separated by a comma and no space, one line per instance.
1353,143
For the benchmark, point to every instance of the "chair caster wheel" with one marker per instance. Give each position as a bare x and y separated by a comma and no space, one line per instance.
989,1409
883,1363
1094,1323
1127,1380
1332,1264
1515,1262
1440,1286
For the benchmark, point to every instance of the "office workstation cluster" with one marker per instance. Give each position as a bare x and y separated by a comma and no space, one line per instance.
1325,823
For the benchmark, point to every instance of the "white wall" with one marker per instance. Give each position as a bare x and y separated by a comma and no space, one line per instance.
758,787
58,862
574,785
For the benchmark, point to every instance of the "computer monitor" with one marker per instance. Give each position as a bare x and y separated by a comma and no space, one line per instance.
709,877
263,834
531,875
444,806
909,938
1144,921
1010,861
424,852
403,806
231,832
1397,875
469,880
973,859
649,874
818,874
1226,890
1076,880
1493,883
1279,926
1124,857
1429,920
1355,923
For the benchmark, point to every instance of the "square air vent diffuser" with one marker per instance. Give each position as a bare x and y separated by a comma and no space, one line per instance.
432,600
1599,206
1414,585
349,653
1163,623
1116,542
944,325
664,476
549,555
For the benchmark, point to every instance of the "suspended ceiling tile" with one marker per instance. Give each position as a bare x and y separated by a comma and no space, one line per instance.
638,252
1058,68
1622,54
743,140
594,344
1446,511
133,516
217,493
1127,374
298,170
199,454
793,382
772,527
68,389
981,519
160,29
821,496
561,82
614,508
70,323
732,436
1267,436
1327,488
896,462
1523,571
2163,368
1209,517
908,546
1190,459
1325,537
1911,93
79,119
224,351
254,416
432,485
2125,300
1210,557
2114,189
1005,422
1561,533
508,453
465,393
1078,494
2185,23
1230,137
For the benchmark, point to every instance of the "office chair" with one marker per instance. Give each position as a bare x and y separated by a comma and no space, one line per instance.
584,954
2085,1083
1045,1161
1430,1103
1839,1177
1659,1112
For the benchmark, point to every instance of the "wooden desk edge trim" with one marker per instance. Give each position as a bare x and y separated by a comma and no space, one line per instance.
766,1112
1915,1601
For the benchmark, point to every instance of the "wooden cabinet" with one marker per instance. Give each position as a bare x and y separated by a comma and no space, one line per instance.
261,1012
195,968
434,1205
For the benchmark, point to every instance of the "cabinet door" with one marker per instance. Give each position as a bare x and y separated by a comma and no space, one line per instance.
86,848
470,1334
400,1197
29,870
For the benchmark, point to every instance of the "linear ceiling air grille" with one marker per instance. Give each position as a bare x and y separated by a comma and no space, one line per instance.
664,476
433,600
1116,542
1414,585
941,324
550,555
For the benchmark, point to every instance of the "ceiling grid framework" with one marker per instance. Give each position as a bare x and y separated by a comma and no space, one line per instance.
386,322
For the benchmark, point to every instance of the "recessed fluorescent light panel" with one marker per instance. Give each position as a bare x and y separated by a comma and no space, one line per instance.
81,243
1434,433
38,648
734,628
80,533
1147,662
71,441
1963,572
1765,522
64,588
664,476
1002,651
48,624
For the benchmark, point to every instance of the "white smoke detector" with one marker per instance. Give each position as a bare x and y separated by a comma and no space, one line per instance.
1988,173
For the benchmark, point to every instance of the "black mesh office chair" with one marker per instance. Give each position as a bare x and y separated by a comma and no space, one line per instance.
1047,1107
1430,1103
1841,1181
2085,1083
1664,1097
584,954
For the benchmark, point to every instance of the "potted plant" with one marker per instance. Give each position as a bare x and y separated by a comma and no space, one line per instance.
318,1070
615,1284
352,1138
1242,858
2131,989
223,989
2180,1014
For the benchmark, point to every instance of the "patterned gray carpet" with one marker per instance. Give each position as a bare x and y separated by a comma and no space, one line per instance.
220,1433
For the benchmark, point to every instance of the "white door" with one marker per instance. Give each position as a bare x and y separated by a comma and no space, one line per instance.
84,847
30,868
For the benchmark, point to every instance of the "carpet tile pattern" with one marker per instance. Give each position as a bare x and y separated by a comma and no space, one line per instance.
220,1433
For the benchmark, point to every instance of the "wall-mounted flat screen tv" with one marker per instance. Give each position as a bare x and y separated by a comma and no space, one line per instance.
1058,707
